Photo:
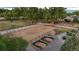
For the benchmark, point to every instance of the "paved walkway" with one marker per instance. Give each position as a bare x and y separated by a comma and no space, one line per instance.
56,44
53,46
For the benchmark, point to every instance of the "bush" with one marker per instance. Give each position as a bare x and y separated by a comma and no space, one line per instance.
76,20
71,43
12,44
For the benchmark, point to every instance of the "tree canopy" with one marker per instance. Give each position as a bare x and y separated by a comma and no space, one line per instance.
34,13
76,13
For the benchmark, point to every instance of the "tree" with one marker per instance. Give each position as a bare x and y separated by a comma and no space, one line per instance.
11,15
35,14
76,13
57,13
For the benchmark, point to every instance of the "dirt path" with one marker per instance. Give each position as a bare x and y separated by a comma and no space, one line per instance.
33,33
64,26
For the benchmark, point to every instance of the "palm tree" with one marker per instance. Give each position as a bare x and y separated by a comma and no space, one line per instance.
35,14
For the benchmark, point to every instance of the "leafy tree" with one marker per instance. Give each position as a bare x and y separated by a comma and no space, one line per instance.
35,14
76,13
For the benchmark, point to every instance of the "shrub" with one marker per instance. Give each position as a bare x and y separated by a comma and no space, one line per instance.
76,20
12,44
3,40
71,43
